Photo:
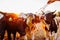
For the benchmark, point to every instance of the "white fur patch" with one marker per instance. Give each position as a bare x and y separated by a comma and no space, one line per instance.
1,16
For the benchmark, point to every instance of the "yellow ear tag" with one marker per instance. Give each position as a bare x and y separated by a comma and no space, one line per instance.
10,19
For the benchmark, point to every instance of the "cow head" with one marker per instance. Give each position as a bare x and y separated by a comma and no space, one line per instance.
49,17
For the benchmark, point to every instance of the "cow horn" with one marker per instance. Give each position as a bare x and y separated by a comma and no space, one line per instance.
43,12
2,13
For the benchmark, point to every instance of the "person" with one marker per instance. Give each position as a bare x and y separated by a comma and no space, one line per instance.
51,1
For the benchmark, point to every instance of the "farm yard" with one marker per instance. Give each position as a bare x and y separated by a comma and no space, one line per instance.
32,37
30,20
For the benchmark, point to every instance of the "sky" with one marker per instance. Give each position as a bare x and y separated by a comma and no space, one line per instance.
26,6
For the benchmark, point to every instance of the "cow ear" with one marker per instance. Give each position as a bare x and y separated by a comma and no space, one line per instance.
54,15
53,12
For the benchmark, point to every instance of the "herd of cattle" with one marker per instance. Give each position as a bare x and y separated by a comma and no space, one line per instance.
31,26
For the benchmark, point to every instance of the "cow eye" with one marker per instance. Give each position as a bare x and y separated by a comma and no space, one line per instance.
1,16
